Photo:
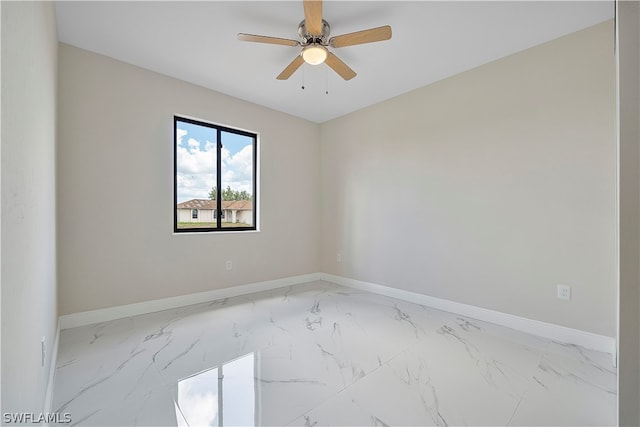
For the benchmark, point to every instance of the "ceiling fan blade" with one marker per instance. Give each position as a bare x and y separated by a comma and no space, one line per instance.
291,68
313,16
361,37
266,39
339,67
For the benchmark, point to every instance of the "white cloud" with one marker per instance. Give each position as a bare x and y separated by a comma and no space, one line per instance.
195,186
196,173
241,163
180,133
210,146
193,144
198,398
237,169
196,168
193,160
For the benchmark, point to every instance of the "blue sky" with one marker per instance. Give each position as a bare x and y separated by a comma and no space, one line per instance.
196,161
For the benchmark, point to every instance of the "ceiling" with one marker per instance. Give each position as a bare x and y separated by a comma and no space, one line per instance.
196,42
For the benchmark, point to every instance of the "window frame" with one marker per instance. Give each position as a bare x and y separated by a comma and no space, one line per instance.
218,211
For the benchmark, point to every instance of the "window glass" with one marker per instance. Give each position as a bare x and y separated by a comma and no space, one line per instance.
215,177
237,180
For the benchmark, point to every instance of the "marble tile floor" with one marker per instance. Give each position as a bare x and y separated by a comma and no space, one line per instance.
319,354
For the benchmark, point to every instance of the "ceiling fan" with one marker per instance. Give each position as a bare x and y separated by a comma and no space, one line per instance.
314,32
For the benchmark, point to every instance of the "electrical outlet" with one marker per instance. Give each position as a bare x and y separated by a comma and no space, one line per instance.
229,265
43,351
339,257
564,292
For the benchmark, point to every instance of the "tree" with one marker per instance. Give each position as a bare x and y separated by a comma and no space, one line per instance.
229,194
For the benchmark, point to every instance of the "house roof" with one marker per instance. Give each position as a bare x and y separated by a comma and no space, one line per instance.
240,205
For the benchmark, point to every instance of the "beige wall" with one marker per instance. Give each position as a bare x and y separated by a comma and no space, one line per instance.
488,188
116,149
629,174
29,57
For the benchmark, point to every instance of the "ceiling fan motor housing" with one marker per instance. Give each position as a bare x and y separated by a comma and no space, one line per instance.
307,38
315,42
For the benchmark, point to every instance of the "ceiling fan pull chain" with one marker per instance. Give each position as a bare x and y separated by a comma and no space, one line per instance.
314,41
303,73
326,81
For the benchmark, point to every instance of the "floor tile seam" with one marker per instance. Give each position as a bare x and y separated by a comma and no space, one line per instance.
583,378
117,405
525,395
162,378
537,351
536,383
526,375
85,418
402,349
584,359
88,384
515,410
546,343
348,386
533,382
495,331
489,331
169,384
202,305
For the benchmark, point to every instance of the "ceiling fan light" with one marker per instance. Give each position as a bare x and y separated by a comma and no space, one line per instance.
314,54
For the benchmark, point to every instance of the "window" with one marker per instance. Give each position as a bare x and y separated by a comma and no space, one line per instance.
214,177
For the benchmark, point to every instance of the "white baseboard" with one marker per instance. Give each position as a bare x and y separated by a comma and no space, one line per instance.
48,397
103,315
535,327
